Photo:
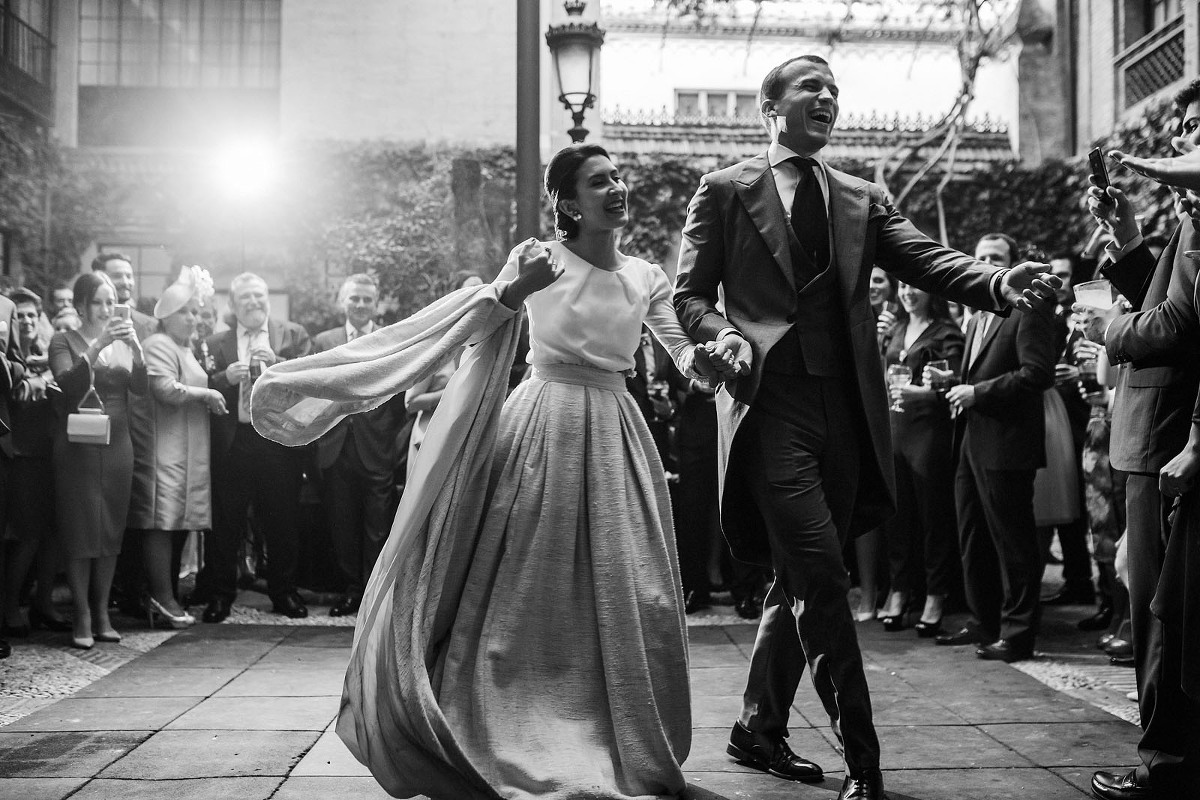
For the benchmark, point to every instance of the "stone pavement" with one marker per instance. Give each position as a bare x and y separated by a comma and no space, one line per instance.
245,711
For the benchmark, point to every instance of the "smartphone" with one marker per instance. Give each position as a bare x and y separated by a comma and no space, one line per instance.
1099,171
123,311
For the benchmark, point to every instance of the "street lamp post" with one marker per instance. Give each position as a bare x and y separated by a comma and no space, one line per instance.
575,45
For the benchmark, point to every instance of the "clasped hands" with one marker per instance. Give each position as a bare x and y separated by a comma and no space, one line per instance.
725,359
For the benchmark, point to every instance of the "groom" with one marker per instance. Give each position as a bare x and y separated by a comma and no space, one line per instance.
788,243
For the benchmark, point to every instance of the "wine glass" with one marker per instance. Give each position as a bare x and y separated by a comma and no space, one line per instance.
898,375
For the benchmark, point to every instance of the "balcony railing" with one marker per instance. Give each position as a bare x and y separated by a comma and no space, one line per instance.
1151,63
874,121
26,66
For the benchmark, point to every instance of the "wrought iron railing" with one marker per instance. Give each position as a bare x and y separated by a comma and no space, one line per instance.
26,64
1151,63
873,121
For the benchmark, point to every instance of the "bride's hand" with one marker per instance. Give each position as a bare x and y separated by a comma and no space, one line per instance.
536,269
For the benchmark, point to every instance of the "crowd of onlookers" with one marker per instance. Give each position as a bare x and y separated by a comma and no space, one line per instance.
132,455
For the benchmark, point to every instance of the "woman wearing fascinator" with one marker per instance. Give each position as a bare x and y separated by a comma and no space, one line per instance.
170,438
523,632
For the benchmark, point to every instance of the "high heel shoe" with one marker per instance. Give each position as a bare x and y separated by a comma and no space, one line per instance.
928,630
108,636
39,619
178,622
1098,621
83,642
894,623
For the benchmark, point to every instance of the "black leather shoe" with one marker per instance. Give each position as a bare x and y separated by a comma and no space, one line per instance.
696,601
1119,648
1004,650
1098,621
964,636
216,610
345,607
772,756
929,630
196,598
290,605
1119,786
1122,661
748,608
1072,594
868,787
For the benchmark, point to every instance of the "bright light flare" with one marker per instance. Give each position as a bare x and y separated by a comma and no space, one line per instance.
246,170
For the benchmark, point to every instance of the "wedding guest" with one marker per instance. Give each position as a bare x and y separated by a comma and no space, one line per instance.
102,360
1000,440
31,491
357,459
171,444
248,470
922,552
66,320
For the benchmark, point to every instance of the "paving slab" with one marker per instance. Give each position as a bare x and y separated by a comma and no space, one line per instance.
747,784
195,789
138,680
188,652
945,746
214,754
65,754
330,758
39,788
979,784
1069,744
717,655
716,712
260,714
285,682
289,656
718,681
321,637
331,789
106,714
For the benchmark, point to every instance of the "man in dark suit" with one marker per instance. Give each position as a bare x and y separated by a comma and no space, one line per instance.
805,459
247,469
1156,395
12,372
357,459
1000,440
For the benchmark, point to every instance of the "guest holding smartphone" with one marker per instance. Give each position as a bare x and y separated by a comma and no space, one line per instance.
93,481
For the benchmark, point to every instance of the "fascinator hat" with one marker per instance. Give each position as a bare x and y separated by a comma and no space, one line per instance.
193,282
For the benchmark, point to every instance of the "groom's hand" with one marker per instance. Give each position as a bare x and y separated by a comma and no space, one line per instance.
1029,285
731,355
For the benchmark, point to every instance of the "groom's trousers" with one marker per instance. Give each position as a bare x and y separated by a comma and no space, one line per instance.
799,447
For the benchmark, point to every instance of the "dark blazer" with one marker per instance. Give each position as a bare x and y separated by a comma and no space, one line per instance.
287,339
1156,393
1006,428
374,431
1078,410
735,271
143,324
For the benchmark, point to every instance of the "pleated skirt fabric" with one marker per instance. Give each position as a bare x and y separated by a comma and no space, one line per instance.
566,674
1056,486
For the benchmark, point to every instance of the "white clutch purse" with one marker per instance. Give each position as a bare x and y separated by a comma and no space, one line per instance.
89,425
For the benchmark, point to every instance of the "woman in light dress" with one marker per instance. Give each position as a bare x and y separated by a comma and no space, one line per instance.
523,633
171,493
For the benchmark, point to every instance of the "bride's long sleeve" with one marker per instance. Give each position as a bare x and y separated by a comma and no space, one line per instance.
664,323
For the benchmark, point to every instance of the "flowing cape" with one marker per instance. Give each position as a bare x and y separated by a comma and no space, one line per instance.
411,599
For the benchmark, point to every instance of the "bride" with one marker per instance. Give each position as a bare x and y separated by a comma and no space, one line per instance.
523,633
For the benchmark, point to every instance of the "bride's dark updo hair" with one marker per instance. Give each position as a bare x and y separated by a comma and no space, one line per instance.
560,183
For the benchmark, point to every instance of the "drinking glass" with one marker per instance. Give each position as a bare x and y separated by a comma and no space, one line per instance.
940,377
898,375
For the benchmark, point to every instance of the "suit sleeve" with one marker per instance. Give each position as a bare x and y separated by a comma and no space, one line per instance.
13,371
1035,355
1161,335
1133,273
299,345
701,266
916,259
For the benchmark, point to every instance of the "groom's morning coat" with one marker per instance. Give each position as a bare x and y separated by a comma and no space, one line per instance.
737,238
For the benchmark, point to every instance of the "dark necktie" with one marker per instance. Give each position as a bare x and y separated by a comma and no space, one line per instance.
810,222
